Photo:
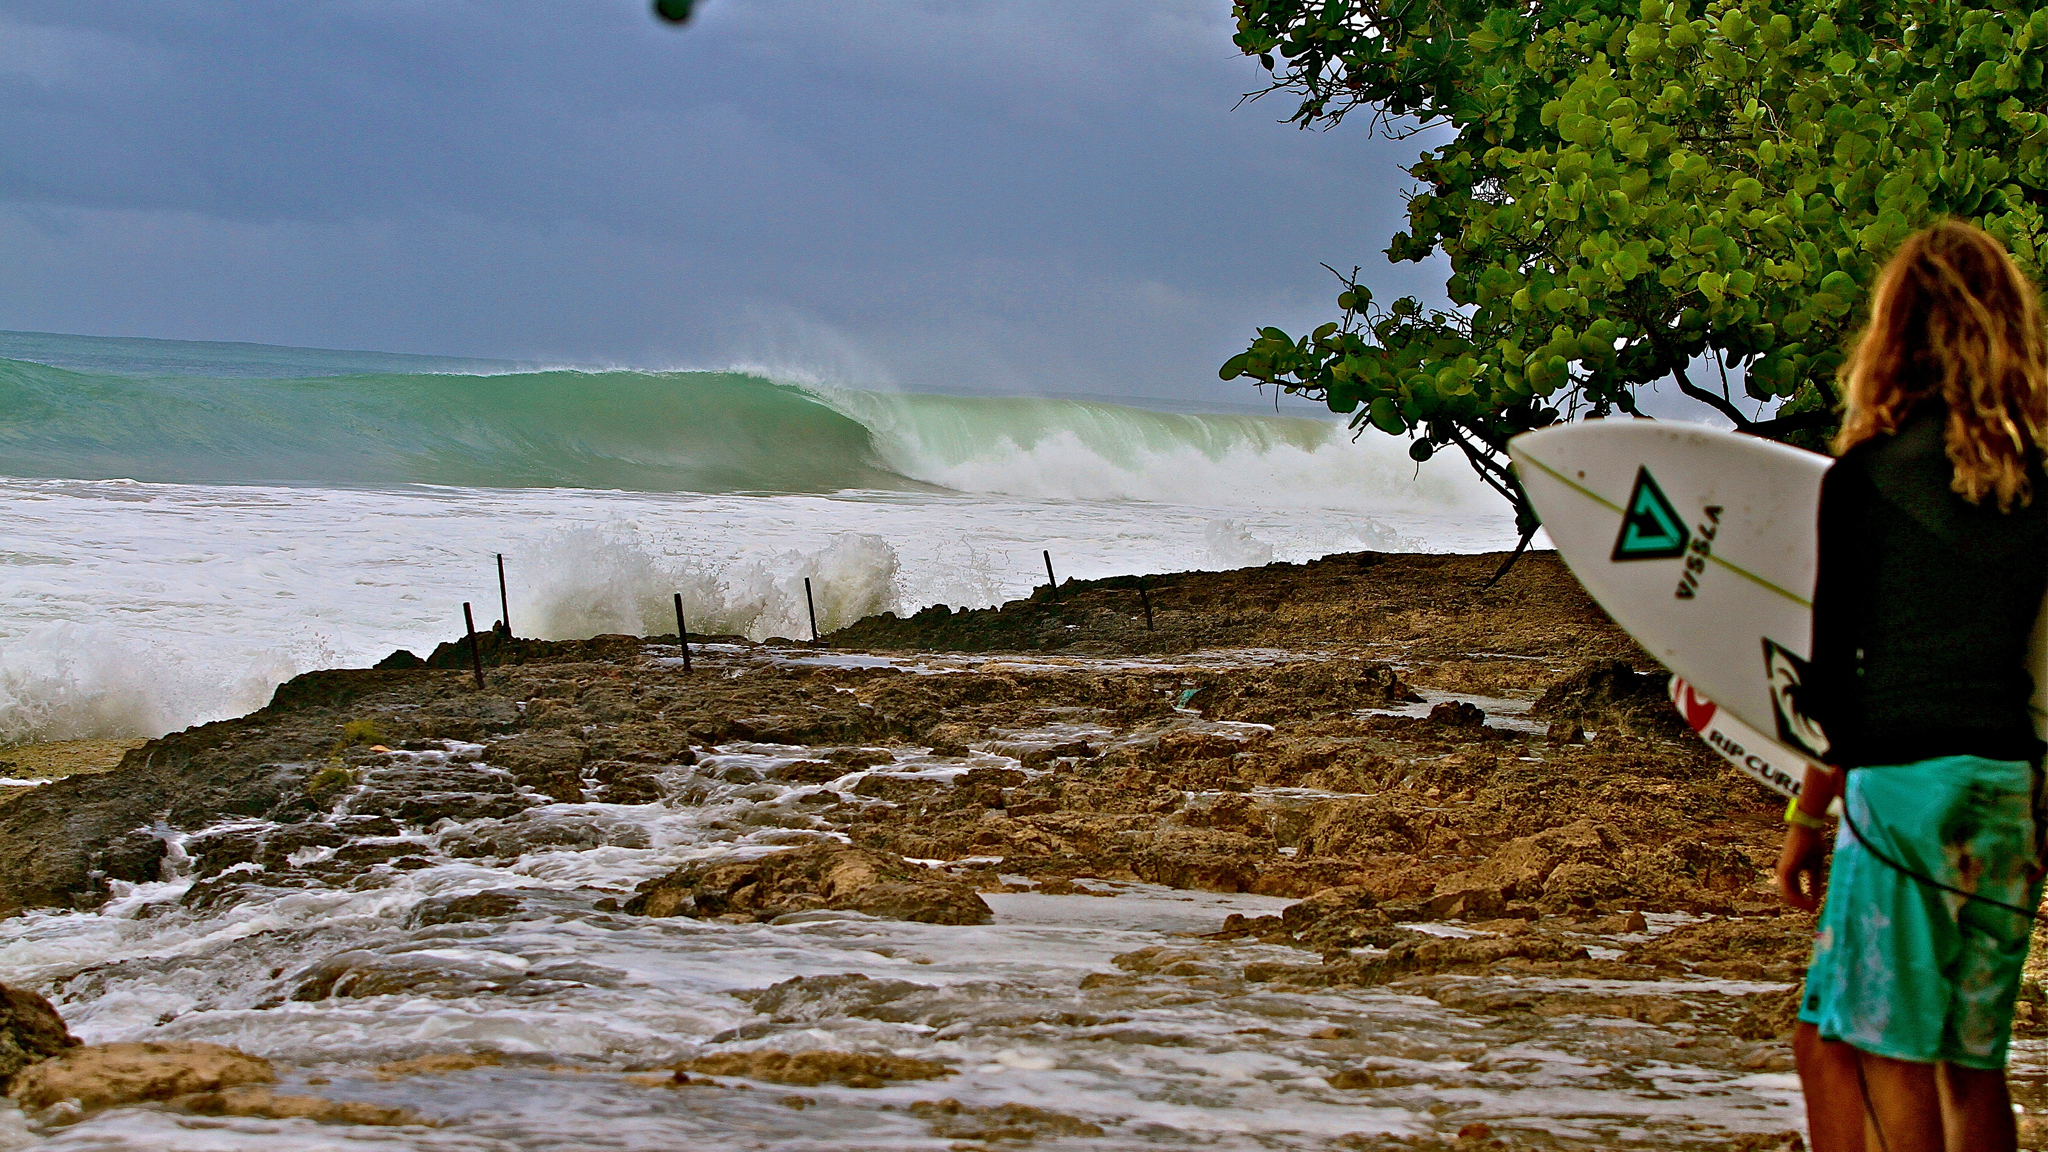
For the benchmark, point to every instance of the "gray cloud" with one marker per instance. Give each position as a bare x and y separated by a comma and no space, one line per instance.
1011,194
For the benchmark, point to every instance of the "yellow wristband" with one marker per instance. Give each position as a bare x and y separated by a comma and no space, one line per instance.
1794,816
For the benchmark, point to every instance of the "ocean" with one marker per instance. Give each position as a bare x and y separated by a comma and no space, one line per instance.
184,525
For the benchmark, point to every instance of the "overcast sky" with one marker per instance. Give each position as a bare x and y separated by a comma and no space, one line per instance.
1019,196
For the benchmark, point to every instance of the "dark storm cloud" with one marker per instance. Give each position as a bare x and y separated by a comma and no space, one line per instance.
1031,195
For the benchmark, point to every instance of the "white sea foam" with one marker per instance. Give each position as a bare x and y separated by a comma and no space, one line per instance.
1077,450
132,609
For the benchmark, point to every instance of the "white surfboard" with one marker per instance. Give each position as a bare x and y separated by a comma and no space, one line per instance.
1746,750
1701,544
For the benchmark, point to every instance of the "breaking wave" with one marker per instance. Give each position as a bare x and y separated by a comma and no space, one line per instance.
707,432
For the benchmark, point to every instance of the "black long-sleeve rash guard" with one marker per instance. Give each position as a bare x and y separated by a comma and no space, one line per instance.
1922,607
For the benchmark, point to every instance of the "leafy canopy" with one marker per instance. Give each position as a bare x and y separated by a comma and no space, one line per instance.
1638,188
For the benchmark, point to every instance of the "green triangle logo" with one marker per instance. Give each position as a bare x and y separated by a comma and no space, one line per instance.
1650,527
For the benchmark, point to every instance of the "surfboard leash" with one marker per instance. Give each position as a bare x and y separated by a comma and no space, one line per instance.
1849,821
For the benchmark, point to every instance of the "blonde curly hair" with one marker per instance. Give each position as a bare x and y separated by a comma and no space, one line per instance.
1954,318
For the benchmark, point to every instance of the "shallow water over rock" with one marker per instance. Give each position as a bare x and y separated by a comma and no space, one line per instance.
445,922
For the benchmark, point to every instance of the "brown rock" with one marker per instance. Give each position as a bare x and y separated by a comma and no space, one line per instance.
1770,947
550,763
1182,745
1201,858
1770,1016
952,1120
435,1065
1479,954
256,1100
1457,714
818,876
30,1030
1343,917
1609,692
807,772
1518,871
1582,883
106,1075
807,1069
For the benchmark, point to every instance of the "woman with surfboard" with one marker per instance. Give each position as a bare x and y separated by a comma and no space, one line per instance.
1932,565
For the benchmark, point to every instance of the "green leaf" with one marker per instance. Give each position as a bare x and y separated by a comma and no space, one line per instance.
1386,416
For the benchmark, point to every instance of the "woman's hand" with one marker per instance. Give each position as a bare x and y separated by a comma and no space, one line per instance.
1801,872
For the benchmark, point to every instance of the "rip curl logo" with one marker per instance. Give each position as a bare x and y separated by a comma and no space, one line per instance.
1787,675
1697,709
1651,529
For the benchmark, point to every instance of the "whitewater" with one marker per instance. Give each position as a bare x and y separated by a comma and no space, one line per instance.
185,525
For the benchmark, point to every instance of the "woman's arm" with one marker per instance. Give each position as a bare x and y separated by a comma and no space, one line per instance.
1800,876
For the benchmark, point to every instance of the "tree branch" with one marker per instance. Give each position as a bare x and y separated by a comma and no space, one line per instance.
1797,422
1718,404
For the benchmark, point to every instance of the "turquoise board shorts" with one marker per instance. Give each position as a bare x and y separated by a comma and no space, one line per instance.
1906,970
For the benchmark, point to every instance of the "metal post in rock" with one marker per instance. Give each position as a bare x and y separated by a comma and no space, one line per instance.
476,656
682,632
812,605
504,602
1051,580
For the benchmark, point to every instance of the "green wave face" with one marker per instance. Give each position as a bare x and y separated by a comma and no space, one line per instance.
634,431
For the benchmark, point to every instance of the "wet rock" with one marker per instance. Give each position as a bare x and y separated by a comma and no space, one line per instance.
107,1075
272,845
1436,954
1300,691
626,782
423,794
1044,757
806,772
808,1069
1769,1015
421,970
437,1065
30,1030
808,998
1751,948
1233,812
1363,828
856,759
1175,747
1495,999
1583,884
1519,870
257,1100
1200,858
230,888
136,857
495,905
952,1120
1690,874
833,876
550,763
1609,693
1456,714
992,777
541,829
1343,917
1161,960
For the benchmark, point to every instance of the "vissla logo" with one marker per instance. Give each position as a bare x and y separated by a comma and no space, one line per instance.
1651,529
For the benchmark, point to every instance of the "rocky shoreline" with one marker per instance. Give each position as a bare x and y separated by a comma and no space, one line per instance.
1475,795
